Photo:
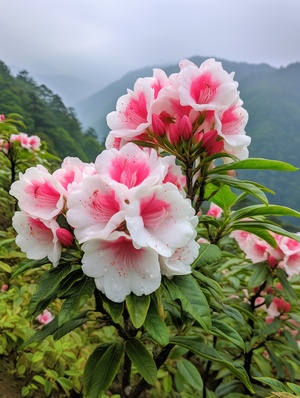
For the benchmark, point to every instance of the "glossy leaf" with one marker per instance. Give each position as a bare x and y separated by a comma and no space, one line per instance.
101,368
221,329
155,326
223,198
199,347
247,186
137,307
82,291
193,301
275,384
208,254
142,359
47,289
259,275
255,164
115,310
262,210
190,374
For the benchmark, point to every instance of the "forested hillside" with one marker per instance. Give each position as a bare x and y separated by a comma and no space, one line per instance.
272,98
45,115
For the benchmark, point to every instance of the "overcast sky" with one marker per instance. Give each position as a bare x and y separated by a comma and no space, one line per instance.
101,40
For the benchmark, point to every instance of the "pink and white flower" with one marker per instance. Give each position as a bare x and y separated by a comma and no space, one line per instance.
119,268
159,217
38,193
131,166
97,209
36,237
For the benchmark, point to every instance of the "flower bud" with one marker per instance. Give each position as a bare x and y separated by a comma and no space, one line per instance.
65,237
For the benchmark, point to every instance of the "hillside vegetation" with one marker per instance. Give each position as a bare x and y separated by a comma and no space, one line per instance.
45,115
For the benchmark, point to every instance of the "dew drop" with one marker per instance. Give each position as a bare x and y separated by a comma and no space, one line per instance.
116,287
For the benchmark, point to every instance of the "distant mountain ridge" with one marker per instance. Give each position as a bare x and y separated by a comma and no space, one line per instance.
272,98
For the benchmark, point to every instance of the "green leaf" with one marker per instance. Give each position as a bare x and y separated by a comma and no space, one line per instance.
224,197
247,186
294,387
208,254
66,384
41,334
193,301
82,291
262,210
233,313
275,384
5,267
47,289
210,283
259,275
190,374
155,326
115,310
137,307
142,359
72,324
198,346
287,288
28,264
101,368
255,164
221,329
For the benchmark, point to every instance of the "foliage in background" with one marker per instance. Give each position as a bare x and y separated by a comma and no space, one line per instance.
45,114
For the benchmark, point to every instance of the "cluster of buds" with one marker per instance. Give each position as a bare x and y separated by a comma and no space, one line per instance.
194,113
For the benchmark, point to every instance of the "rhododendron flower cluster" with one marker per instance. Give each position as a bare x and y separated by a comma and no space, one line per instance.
31,143
286,255
128,210
199,106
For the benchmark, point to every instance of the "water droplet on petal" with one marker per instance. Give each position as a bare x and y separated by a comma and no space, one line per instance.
116,286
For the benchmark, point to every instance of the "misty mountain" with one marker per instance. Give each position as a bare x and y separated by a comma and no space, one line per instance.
70,89
272,98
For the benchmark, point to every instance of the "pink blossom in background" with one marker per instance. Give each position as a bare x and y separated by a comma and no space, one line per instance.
286,255
31,143
38,193
45,317
214,210
278,307
2,118
37,238
4,288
